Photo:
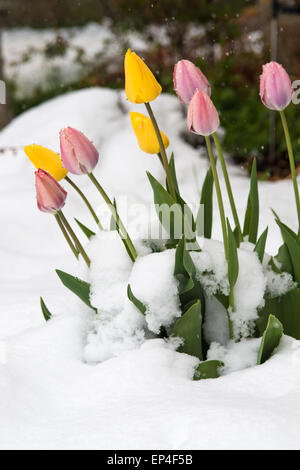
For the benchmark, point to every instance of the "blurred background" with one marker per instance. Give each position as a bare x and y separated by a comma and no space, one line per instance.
49,47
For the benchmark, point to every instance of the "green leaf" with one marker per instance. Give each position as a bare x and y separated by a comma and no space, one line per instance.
189,328
208,370
252,212
207,201
270,340
233,262
190,288
174,217
284,258
88,233
77,286
286,309
173,173
113,225
261,245
275,215
138,304
293,245
47,314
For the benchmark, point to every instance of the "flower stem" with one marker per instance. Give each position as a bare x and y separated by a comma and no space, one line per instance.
162,150
219,194
120,226
65,234
292,162
227,182
75,239
85,200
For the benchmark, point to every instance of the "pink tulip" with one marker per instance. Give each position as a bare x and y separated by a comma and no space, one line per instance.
203,118
187,79
78,154
275,87
50,195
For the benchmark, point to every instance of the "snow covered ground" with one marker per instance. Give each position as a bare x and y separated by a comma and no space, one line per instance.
51,396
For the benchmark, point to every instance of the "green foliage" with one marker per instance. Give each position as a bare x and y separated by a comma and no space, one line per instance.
87,232
261,245
270,340
77,286
292,243
207,201
252,211
46,312
286,309
208,370
189,329
136,302
233,262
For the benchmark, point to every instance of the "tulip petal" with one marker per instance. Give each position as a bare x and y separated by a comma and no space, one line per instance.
46,159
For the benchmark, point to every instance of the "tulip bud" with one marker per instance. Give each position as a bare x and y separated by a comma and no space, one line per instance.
187,79
78,154
47,160
203,118
50,195
140,84
276,89
145,134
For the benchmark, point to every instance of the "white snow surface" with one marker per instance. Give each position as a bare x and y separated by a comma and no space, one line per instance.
54,394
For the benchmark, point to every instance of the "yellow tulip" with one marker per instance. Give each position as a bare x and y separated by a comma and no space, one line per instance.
47,160
140,84
145,134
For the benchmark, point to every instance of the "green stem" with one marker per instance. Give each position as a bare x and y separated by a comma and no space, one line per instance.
85,200
219,194
65,234
121,228
231,304
162,151
292,162
227,182
75,239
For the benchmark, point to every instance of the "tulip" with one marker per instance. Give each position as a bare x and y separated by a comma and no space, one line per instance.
78,154
140,84
47,160
203,118
145,134
51,196
275,87
187,79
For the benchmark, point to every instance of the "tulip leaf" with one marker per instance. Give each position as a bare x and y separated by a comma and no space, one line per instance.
261,245
87,232
233,262
284,258
189,329
293,245
77,286
113,225
286,309
46,312
252,212
173,174
173,218
136,302
208,370
190,288
207,201
270,340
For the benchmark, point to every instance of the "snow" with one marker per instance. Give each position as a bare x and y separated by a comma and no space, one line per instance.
54,392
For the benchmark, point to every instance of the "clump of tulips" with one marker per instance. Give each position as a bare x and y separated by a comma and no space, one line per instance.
79,156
